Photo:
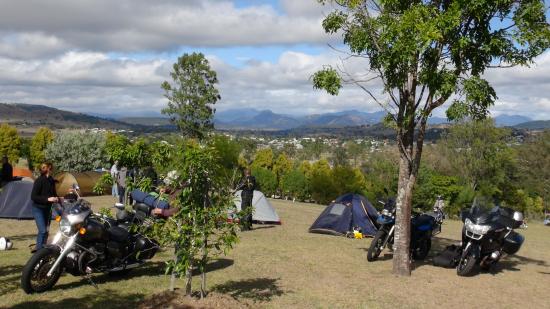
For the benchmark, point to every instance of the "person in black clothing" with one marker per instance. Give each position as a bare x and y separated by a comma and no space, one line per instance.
247,185
43,195
7,171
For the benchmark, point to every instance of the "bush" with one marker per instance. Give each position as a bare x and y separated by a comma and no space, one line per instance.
77,152
295,185
266,180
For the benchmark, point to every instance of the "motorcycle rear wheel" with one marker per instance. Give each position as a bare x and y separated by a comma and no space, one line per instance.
376,246
421,251
34,278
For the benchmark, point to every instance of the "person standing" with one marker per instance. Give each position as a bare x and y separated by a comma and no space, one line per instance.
43,196
247,185
7,172
121,184
114,175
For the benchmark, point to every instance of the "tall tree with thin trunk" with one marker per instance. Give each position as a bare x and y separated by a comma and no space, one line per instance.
426,53
191,95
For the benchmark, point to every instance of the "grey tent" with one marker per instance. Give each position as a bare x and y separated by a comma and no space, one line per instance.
263,211
15,200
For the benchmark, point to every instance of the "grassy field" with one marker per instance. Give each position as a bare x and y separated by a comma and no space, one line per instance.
286,267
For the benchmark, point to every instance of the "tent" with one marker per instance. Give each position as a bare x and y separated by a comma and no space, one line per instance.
22,172
345,213
263,211
85,180
15,200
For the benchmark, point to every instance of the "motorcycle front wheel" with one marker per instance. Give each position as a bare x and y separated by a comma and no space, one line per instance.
376,246
34,278
466,265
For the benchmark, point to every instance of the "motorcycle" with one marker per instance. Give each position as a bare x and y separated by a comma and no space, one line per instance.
423,227
87,243
487,234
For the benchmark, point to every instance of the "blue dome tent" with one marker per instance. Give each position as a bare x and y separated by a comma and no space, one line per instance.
343,214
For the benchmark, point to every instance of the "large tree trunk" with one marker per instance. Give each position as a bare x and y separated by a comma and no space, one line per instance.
402,233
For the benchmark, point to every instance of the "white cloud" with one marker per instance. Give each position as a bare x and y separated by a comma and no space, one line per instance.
138,25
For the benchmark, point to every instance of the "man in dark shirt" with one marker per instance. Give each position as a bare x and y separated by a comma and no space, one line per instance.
247,185
7,171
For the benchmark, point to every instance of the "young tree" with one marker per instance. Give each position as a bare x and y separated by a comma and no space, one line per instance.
199,230
266,180
9,142
192,95
425,53
295,185
41,139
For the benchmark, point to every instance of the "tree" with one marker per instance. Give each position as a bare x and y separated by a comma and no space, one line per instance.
115,148
479,154
282,166
266,180
534,165
199,230
295,185
77,152
192,95
340,156
10,142
355,151
425,53
41,139
323,188
263,158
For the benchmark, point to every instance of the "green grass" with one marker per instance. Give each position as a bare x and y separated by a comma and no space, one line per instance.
284,266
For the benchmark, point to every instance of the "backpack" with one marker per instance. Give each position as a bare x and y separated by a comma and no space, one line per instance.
449,258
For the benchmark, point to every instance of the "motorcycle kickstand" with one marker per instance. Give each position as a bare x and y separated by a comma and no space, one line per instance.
88,276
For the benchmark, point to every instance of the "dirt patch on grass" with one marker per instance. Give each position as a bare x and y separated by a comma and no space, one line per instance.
177,300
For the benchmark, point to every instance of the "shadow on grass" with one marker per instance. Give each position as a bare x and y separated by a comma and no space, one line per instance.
104,299
261,227
22,237
10,278
149,269
258,289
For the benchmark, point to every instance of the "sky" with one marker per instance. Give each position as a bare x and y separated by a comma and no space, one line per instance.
109,57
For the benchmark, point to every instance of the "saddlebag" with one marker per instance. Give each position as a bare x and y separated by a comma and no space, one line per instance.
512,243
449,257
145,248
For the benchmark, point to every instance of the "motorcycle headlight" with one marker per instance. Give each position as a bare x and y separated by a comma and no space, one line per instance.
476,228
65,227
385,212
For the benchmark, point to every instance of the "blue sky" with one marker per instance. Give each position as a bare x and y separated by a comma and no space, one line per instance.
110,57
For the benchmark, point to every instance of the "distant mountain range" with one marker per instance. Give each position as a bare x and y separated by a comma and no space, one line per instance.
26,115
267,120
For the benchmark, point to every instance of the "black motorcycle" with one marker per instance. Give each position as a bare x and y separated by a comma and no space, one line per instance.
488,232
423,227
88,243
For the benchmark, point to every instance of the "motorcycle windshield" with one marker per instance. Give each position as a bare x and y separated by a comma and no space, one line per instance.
80,207
483,210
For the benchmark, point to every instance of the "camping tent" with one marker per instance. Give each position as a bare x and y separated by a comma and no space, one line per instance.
85,180
22,172
263,211
345,213
15,200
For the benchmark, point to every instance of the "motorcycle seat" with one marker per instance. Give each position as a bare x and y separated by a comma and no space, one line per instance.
423,222
118,234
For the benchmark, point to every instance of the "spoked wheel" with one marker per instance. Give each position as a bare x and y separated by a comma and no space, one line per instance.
423,248
376,246
34,278
466,265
